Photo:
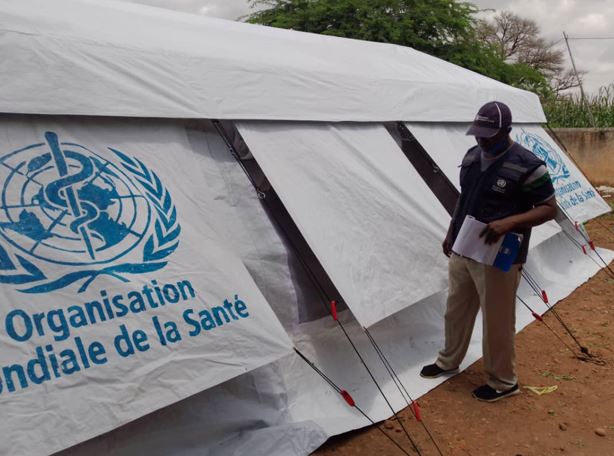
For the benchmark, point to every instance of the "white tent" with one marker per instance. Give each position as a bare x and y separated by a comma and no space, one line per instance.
121,59
127,94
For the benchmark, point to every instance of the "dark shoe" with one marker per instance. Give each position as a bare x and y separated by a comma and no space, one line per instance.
434,371
487,394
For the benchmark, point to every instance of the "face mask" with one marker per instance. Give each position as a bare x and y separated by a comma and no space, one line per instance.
498,147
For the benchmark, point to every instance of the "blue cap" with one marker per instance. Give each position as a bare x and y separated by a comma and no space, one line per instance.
492,118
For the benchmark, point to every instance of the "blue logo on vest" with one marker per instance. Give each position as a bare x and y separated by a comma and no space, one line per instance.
71,215
543,150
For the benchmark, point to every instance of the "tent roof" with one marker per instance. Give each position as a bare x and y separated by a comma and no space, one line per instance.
86,57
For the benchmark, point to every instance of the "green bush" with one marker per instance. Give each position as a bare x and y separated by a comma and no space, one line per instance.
442,28
570,112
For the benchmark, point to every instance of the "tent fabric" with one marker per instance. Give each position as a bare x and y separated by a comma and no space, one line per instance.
244,224
249,394
91,343
576,196
107,58
447,143
285,409
363,209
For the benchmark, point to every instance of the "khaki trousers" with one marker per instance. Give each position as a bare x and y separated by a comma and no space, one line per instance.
475,286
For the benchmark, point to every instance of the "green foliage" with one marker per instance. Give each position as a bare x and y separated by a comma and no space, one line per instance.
525,77
571,112
485,61
442,28
432,26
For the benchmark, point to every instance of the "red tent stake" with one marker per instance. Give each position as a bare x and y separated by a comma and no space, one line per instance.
347,398
416,408
537,317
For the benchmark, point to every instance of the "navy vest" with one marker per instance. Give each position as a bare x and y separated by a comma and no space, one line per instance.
496,193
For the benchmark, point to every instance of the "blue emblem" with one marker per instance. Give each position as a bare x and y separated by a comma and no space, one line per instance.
70,215
543,150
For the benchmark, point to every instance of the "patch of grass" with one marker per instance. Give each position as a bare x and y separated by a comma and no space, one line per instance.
569,111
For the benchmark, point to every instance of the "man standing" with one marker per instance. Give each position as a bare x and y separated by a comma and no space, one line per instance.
508,188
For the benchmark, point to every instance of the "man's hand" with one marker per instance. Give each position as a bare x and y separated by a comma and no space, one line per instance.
447,246
494,230
539,214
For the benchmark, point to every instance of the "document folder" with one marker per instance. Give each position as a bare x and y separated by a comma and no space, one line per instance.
500,254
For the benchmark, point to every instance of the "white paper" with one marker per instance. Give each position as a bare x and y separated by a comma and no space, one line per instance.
470,244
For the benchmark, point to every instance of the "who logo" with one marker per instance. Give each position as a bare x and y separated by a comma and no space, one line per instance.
71,214
557,168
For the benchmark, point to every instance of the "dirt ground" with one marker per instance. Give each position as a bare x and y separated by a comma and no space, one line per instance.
567,421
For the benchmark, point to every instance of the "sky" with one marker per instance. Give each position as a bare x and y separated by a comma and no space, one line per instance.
579,18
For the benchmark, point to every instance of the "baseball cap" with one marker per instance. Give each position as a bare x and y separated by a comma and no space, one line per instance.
493,117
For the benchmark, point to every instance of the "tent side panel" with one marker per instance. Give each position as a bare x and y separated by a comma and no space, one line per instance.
576,196
363,209
257,225
118,295
445,191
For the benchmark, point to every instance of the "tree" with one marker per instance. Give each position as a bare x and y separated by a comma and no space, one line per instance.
443,28
517,40
426,25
